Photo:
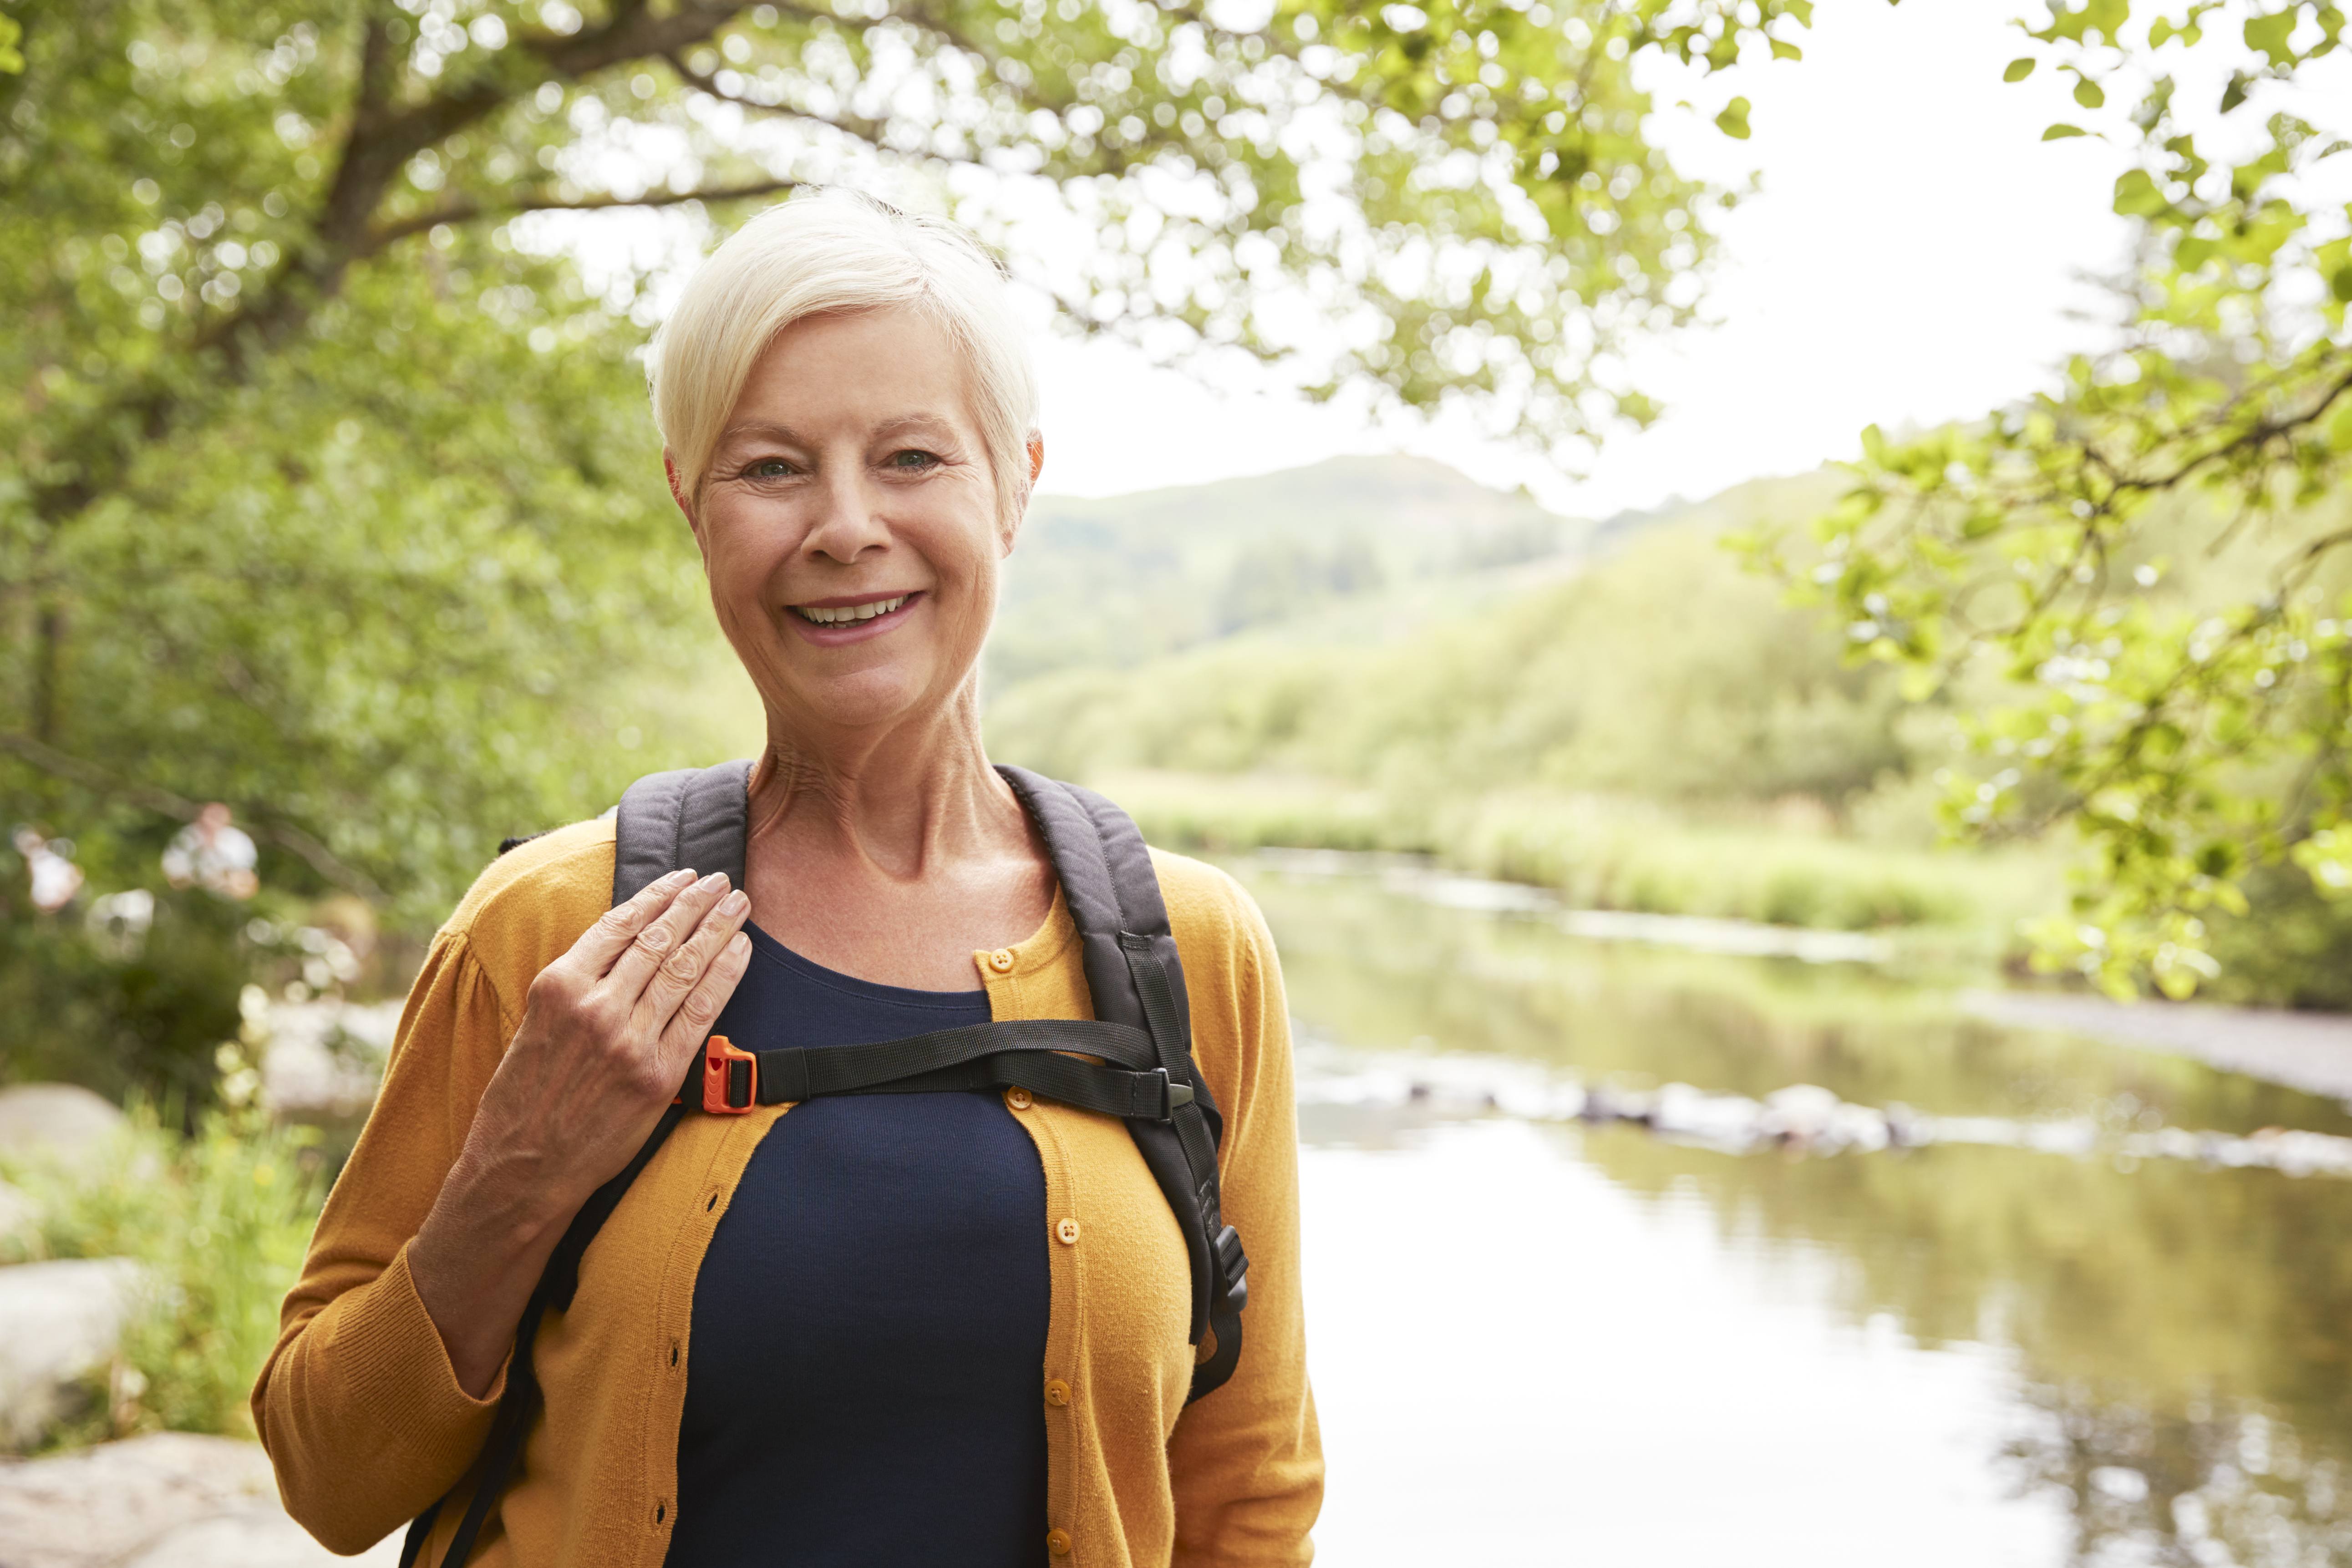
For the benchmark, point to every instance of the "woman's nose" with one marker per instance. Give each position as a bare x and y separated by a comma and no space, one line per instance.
850,520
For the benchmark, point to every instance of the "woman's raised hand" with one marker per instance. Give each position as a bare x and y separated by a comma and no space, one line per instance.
607,1034
609,1029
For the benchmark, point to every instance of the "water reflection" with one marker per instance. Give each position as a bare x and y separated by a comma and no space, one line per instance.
1958,1353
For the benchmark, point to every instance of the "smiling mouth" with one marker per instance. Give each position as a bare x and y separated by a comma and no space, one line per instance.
850,615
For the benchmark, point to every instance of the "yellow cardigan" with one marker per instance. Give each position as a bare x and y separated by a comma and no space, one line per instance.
366,1424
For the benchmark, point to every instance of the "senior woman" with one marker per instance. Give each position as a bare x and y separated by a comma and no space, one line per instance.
935,1327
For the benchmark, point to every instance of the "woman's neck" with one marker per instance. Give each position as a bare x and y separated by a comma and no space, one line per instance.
893,857
900,801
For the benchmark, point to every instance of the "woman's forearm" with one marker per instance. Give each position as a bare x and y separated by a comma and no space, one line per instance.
606,1036
479,1255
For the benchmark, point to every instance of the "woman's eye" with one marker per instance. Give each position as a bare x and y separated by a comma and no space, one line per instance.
769,469
911,461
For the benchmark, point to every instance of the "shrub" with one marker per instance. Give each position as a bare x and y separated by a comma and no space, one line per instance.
220,1218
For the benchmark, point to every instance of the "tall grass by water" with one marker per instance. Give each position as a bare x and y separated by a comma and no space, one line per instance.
1597,852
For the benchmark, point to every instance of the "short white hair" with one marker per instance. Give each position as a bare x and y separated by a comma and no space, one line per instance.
832,253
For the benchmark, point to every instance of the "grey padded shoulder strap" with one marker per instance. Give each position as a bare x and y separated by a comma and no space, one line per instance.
696,818
699,818
1110,888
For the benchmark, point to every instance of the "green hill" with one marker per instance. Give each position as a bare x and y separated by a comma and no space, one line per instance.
1636,720
1113,582
1660,667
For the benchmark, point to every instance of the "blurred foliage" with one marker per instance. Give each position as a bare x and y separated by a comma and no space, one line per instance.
87,1005
2188,738
135,995
219,1220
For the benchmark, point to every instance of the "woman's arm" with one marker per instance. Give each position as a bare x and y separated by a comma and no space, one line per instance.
1246,1461
493,1125
607,1034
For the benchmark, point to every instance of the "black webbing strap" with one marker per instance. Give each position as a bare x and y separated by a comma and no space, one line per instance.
1136,977
795,1075
558,1283
1229,1283
1026,1054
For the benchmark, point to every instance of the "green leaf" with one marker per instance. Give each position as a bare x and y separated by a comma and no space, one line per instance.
2018,68
12,61
1732,121
1784,51
2062,131
2089,94
2268,35
2235,93
2136,196
2341,284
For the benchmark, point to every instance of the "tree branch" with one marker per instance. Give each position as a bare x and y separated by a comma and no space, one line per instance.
868,131
466,211
180,808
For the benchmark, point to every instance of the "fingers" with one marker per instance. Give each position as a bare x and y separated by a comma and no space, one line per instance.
605,941
684,1033
660,937
679,974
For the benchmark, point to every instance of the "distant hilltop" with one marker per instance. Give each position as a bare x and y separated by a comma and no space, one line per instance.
1337,493
1336,548
1118,579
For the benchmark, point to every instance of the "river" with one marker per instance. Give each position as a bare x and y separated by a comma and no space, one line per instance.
2077,1319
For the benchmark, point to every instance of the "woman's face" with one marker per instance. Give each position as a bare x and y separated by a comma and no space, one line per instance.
849,523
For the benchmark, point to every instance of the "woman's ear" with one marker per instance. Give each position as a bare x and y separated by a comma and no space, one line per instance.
677,493
1036,446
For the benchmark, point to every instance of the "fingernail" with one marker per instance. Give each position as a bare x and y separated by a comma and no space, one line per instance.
679,877
734,903
716,881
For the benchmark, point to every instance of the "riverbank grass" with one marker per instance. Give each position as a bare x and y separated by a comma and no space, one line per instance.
1600,853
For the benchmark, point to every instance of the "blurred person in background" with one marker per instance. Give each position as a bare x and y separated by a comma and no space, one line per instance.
214,853
946,1327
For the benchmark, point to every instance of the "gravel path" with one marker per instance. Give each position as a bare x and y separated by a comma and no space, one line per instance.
2309,1051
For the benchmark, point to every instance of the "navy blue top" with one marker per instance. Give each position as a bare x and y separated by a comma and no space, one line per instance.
869,1324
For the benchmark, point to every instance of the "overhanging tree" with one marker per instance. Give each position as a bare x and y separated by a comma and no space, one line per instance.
2151,560
327,497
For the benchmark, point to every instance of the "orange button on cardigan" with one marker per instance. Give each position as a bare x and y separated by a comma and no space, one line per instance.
367,1426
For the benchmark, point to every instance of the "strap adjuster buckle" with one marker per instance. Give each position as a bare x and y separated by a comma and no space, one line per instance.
1233,1268
1170,1094
731,1079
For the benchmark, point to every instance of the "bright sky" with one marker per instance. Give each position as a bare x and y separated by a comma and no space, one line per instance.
1914,256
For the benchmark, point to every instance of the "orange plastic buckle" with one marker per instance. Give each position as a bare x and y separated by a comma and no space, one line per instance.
731,1079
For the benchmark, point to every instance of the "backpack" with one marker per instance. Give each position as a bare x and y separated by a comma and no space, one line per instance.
1141,1032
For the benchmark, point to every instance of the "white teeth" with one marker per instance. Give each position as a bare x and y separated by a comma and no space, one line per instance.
846,614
